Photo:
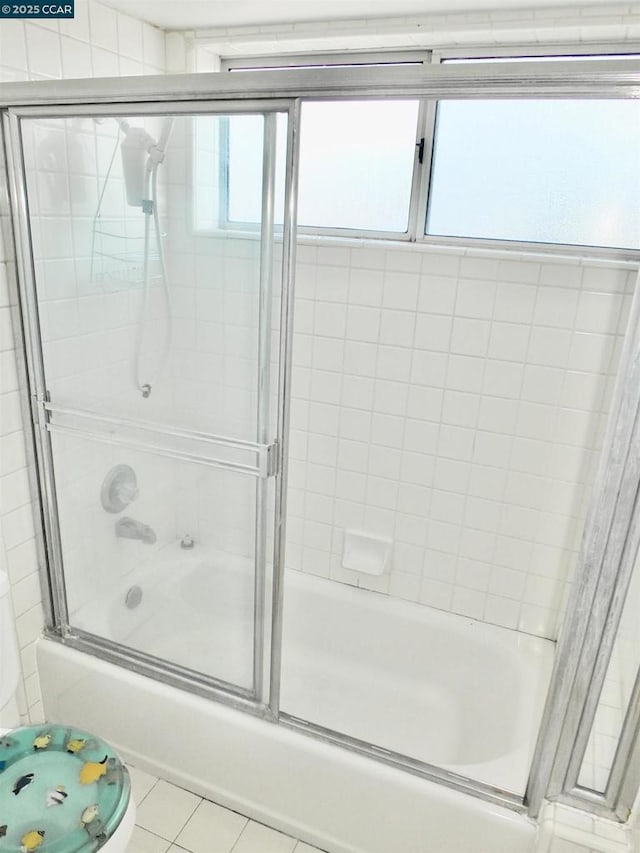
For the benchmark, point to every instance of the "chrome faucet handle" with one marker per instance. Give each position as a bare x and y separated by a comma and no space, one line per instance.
119,488
129,528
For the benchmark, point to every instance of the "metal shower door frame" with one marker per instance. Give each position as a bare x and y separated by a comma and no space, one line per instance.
610,545
83,423
520,80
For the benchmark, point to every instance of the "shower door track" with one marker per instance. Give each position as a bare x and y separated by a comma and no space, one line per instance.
455,781
224,93
161,670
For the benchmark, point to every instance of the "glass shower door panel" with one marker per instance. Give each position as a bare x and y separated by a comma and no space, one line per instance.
150,301
151,313
158,554
446,441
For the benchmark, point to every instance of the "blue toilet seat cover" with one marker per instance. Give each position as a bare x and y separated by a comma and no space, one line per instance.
62,790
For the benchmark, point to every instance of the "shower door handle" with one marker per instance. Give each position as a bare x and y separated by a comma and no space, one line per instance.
270,460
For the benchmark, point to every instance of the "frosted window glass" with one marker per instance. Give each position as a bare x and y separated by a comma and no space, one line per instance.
538,171
244,168
356,164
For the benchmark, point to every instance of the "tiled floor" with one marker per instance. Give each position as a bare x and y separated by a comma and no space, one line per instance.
172,820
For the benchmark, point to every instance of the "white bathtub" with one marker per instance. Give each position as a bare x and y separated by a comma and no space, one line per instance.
437,687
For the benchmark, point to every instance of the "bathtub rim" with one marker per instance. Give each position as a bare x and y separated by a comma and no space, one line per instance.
238,699
416,801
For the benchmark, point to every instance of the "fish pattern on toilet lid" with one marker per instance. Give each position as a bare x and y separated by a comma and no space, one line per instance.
62,790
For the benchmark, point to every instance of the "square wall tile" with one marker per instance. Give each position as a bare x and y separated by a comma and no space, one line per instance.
437,294
514,303
400,291
397,328
13,48
43,49
129,36
76,58
470,337
104,26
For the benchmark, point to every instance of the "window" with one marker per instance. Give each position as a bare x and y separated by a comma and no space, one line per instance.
537,171
523,171
342,145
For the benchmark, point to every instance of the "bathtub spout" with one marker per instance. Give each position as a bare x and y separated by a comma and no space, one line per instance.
129,528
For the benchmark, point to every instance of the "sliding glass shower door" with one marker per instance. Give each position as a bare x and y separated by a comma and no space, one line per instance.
154,376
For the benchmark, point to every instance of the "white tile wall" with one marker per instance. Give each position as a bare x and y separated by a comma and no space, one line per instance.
617,22
454,401
97,41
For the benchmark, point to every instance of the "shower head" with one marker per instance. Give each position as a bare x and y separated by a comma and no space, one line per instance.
140,155
165,132
135,149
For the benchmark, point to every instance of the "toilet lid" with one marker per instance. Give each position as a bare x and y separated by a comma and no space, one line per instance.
62,790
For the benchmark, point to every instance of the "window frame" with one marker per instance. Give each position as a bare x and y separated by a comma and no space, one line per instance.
333,59
426,126
516,53
327,59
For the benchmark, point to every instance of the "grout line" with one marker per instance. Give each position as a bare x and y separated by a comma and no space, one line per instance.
155,834
147,794
190,815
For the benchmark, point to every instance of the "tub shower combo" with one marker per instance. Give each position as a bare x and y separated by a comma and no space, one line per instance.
254,551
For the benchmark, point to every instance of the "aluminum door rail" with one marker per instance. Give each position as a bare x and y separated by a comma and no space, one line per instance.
152,437
561,79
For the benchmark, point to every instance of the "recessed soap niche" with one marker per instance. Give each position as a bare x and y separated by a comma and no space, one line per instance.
363,552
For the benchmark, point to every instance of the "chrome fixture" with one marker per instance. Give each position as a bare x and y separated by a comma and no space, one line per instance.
133,597
187,542
129,528
119,488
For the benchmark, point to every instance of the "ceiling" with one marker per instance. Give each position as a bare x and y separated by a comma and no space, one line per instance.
193,14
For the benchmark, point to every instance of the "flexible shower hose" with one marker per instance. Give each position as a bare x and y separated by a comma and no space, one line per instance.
149,212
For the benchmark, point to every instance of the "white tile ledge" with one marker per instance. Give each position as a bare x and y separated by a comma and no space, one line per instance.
581,838
535,256
582,829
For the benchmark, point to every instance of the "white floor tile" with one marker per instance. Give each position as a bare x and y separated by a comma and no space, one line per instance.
301,847
175,849
257,838
166,809
145,842
141,783
211,829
